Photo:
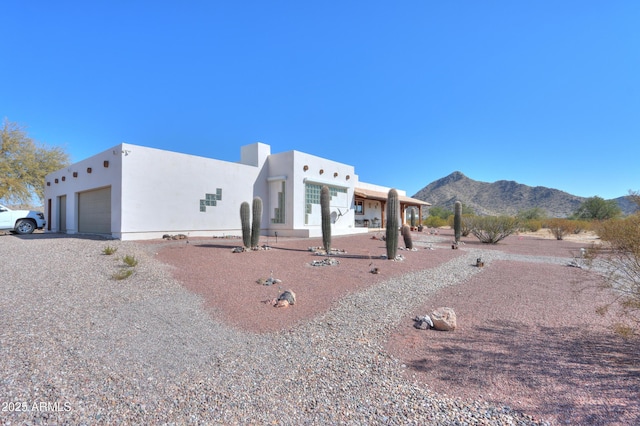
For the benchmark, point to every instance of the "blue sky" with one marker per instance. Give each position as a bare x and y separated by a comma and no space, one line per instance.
546,93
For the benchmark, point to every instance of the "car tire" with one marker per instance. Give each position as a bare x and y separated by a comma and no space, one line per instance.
25,226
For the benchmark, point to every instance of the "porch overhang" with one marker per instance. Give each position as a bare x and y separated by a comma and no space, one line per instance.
368,194
382,196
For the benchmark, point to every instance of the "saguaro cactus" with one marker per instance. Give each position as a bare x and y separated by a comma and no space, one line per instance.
393,210
406,235
325,211
255,223
413,217
457,221
245,219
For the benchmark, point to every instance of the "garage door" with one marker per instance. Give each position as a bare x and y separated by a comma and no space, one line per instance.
94,211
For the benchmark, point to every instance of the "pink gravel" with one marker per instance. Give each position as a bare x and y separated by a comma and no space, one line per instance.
228,281
528,335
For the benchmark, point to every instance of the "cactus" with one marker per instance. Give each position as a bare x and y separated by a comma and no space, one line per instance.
255,223
413,218
406,235
393,208
457,221
325,211
245,219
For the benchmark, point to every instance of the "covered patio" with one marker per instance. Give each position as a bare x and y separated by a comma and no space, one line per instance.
371,207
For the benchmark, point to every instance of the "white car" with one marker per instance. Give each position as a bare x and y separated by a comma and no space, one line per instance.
21,221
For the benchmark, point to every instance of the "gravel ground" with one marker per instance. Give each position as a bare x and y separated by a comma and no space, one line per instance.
78,347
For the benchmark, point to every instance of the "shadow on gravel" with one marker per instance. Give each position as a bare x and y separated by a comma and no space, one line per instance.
576,360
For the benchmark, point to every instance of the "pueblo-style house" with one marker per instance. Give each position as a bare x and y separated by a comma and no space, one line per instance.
132,192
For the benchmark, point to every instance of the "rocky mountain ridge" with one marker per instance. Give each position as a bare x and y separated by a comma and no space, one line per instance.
504,197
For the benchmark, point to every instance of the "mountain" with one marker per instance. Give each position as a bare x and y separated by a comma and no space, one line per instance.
504,197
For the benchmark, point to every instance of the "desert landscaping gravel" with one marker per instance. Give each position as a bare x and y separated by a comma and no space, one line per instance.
191,338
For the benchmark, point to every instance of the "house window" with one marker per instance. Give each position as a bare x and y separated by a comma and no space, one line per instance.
312,197
312,192
278,212
359,207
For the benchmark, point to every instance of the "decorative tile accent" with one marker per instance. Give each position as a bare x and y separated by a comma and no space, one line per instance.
210,200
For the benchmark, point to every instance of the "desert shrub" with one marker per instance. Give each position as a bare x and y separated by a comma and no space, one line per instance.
109,250
122,274
535,213
560,227
465,230
531,225
440,212
130,260
619,261
581,226
435,222
491,229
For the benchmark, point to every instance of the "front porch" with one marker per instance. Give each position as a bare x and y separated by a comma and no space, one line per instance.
370,208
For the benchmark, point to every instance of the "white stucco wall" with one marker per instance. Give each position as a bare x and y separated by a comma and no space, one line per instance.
99,177
300,168
162,192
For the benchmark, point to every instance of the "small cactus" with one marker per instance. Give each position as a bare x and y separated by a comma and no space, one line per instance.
245,219
457,221
393,209
406,235
255,223
325,211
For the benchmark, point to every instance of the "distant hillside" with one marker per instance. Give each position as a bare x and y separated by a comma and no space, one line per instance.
504,197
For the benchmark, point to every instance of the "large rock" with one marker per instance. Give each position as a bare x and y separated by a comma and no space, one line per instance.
444,319
285,299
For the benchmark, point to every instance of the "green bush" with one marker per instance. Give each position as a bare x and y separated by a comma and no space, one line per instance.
435,222
130,261
122,275
109,250
598,208
492,229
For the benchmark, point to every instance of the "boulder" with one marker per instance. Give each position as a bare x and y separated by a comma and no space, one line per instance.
423,323
444,319
285,299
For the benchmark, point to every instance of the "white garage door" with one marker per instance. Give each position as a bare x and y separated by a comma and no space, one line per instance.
94,211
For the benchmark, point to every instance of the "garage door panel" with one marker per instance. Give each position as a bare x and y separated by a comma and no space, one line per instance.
94,211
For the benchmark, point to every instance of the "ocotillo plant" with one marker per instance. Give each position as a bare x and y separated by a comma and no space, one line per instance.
325,211
245,220
406,235
457,220
413,217
393,209
255,223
